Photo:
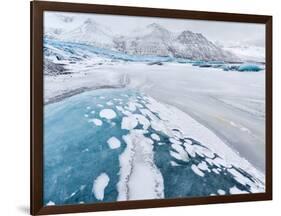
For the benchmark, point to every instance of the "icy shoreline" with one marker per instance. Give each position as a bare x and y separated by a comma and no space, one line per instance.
231,100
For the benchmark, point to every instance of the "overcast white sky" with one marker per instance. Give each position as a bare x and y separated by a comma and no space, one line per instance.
213,30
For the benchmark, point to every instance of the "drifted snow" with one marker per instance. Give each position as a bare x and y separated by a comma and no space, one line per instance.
99,185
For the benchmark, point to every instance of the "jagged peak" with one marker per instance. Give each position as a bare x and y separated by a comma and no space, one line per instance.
186,32
155,25
89,21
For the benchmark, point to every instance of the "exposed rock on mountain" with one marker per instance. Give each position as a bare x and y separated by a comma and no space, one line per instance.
153,39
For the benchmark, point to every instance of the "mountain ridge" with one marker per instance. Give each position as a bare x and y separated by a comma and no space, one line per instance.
152,39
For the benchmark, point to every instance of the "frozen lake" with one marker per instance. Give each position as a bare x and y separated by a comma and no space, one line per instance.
114,145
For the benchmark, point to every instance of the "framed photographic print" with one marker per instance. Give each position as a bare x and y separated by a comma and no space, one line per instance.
140,107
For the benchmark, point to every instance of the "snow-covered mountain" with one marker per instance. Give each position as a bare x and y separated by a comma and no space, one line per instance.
152,39
90,32
53,33
246,50
196,46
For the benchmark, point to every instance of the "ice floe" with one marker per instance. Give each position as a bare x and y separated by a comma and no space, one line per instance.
50,203
131,106
203,166
129,122
235,190
221,192
155,137
99,185
96,121
181,153
142,120
113,142
107,113
173,140
196,170
173,163
190,149
109,103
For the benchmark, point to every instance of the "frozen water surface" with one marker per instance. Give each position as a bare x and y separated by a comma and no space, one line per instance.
173,134
138,159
